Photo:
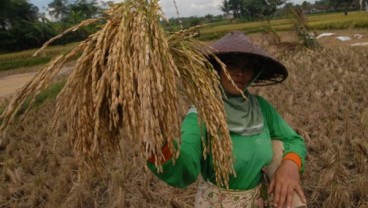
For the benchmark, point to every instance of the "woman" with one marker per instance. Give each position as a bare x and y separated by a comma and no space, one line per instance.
259,135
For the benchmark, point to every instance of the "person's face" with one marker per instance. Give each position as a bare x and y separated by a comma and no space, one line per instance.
240,71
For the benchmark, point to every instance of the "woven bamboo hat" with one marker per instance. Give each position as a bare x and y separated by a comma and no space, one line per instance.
237,44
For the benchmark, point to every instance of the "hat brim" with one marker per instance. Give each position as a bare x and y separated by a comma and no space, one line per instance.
273,72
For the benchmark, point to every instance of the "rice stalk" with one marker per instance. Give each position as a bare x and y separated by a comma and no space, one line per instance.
201,85
127,80
72,29
300,24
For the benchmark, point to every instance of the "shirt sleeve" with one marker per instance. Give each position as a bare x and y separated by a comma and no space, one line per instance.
188,165
280,130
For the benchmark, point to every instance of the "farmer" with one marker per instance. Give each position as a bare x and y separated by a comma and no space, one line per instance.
262,141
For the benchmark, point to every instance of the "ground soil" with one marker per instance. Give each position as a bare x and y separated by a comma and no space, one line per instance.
9,84
11,81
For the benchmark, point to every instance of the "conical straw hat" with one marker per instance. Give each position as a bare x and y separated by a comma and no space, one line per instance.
237,44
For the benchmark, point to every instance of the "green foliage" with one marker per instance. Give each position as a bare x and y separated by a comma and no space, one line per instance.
24,63
256,9
59,9
315,22
236,6
225,7
22,27
86,8
72,13
20,9
24,35
68,14
251,9
339,3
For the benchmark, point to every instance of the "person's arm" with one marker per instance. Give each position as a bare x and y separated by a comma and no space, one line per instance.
188,165
294,146
286,180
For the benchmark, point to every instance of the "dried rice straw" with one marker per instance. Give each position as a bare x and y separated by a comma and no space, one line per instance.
127,80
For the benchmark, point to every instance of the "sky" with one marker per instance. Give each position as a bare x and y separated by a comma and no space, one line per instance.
186,7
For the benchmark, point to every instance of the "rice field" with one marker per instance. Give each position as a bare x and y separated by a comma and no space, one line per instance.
10,61
324,99
316,22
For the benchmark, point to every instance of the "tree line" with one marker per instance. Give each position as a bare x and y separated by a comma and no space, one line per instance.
23,26
266,9
251,9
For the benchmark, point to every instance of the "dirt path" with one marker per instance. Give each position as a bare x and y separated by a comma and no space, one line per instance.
10,84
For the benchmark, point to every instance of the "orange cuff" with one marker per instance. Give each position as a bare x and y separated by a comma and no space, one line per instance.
295,158
166,153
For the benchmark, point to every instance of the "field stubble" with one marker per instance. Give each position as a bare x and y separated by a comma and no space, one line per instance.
324,99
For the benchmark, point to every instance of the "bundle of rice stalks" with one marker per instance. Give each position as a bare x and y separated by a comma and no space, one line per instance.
127,80
300,23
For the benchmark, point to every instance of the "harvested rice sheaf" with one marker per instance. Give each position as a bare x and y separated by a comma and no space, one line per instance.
128,79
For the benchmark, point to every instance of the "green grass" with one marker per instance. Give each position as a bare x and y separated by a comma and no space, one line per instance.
25,58
326,21
24,63
49,93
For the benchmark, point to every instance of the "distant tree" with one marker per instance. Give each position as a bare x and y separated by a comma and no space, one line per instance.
208,18
74,17
225,7
305,5
69,13
285,10
254,9
5,6
251,8
236,6
193,21
341,4
321,5
288,5
20,26
86,8
59,9
24,10
356,4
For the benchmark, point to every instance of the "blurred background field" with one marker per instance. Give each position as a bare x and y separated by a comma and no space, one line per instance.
318,23
14,60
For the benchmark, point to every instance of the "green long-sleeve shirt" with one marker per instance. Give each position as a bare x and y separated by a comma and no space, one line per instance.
251,153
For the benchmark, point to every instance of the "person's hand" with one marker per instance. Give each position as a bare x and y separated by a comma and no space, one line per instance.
285,181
